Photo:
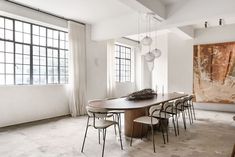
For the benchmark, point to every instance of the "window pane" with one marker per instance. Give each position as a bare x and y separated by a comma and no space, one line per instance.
49,42
2,46
19,69
49,33
26,59
42,31
42,41
42,60
35,30
35,60
26,69
9,35
42,51
1,22
9,58
18,48
2,57
27,38
50,70
50,79
2,68
26,79
27,28
55,34
9,68
2,33
36,79
35,40
9,24
18,37
2,79
42,79
19,79
18,26
43,70
9,79
26,49
9,47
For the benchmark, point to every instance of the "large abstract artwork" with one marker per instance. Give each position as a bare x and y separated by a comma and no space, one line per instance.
214,72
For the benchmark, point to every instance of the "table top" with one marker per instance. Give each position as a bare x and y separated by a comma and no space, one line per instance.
124,104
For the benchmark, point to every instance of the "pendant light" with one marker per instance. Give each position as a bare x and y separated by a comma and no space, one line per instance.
147,40
157,52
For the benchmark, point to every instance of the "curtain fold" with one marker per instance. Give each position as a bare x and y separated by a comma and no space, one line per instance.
77,69
111,84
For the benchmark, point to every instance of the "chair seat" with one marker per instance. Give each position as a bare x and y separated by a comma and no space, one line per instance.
146,120
101,123
116,111
161,115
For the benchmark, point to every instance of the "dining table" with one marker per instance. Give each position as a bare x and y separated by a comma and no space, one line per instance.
135,108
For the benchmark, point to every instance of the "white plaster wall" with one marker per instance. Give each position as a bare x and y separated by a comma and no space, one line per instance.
160,72
180,64
20,104
96,54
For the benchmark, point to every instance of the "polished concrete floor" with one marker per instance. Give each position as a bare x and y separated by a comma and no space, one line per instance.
212,135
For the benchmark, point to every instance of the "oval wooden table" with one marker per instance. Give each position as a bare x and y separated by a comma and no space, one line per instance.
135,109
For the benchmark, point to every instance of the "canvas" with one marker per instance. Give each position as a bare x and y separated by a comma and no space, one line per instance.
214,72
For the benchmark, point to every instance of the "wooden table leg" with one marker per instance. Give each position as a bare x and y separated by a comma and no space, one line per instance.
233,153
130,115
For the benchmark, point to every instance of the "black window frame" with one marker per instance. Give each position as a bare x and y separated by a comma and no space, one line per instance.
118,67
31,55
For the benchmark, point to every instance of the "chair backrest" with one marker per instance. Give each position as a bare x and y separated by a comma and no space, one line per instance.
179,103
185,100
96,112
155,108
168,106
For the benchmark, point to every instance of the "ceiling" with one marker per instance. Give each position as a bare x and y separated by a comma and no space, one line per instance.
170,2
87,11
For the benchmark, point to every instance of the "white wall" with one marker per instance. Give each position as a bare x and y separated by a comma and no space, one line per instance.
96,53
20,104
180,64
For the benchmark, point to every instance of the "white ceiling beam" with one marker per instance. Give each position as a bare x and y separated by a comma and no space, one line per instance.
186,32
155,6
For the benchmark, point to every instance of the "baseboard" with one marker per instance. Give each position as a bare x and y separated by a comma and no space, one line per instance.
215,107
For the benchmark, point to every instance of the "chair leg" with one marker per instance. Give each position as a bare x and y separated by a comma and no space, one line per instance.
194,111
191,112
173,121
119,129
177,124
99,135
162,132
120,121
167,137
114,126
141,134
153,138
183,117
189,116
132,133
104,137
87,125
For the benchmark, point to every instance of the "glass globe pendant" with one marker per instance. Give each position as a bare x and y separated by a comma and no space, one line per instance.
146,41
149,57
157,53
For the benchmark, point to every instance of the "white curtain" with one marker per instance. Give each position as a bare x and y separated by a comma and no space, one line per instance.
111,68
77,69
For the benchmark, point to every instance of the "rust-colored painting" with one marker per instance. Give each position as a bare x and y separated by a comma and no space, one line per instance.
214,72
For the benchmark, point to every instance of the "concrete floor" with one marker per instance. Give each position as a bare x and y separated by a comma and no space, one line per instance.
212,135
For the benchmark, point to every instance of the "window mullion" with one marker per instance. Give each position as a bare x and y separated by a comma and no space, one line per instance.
31,54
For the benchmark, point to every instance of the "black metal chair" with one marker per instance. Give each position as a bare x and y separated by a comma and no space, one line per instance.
99,122
148,120
166,112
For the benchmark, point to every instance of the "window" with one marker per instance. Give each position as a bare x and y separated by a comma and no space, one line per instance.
123,62
32,54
